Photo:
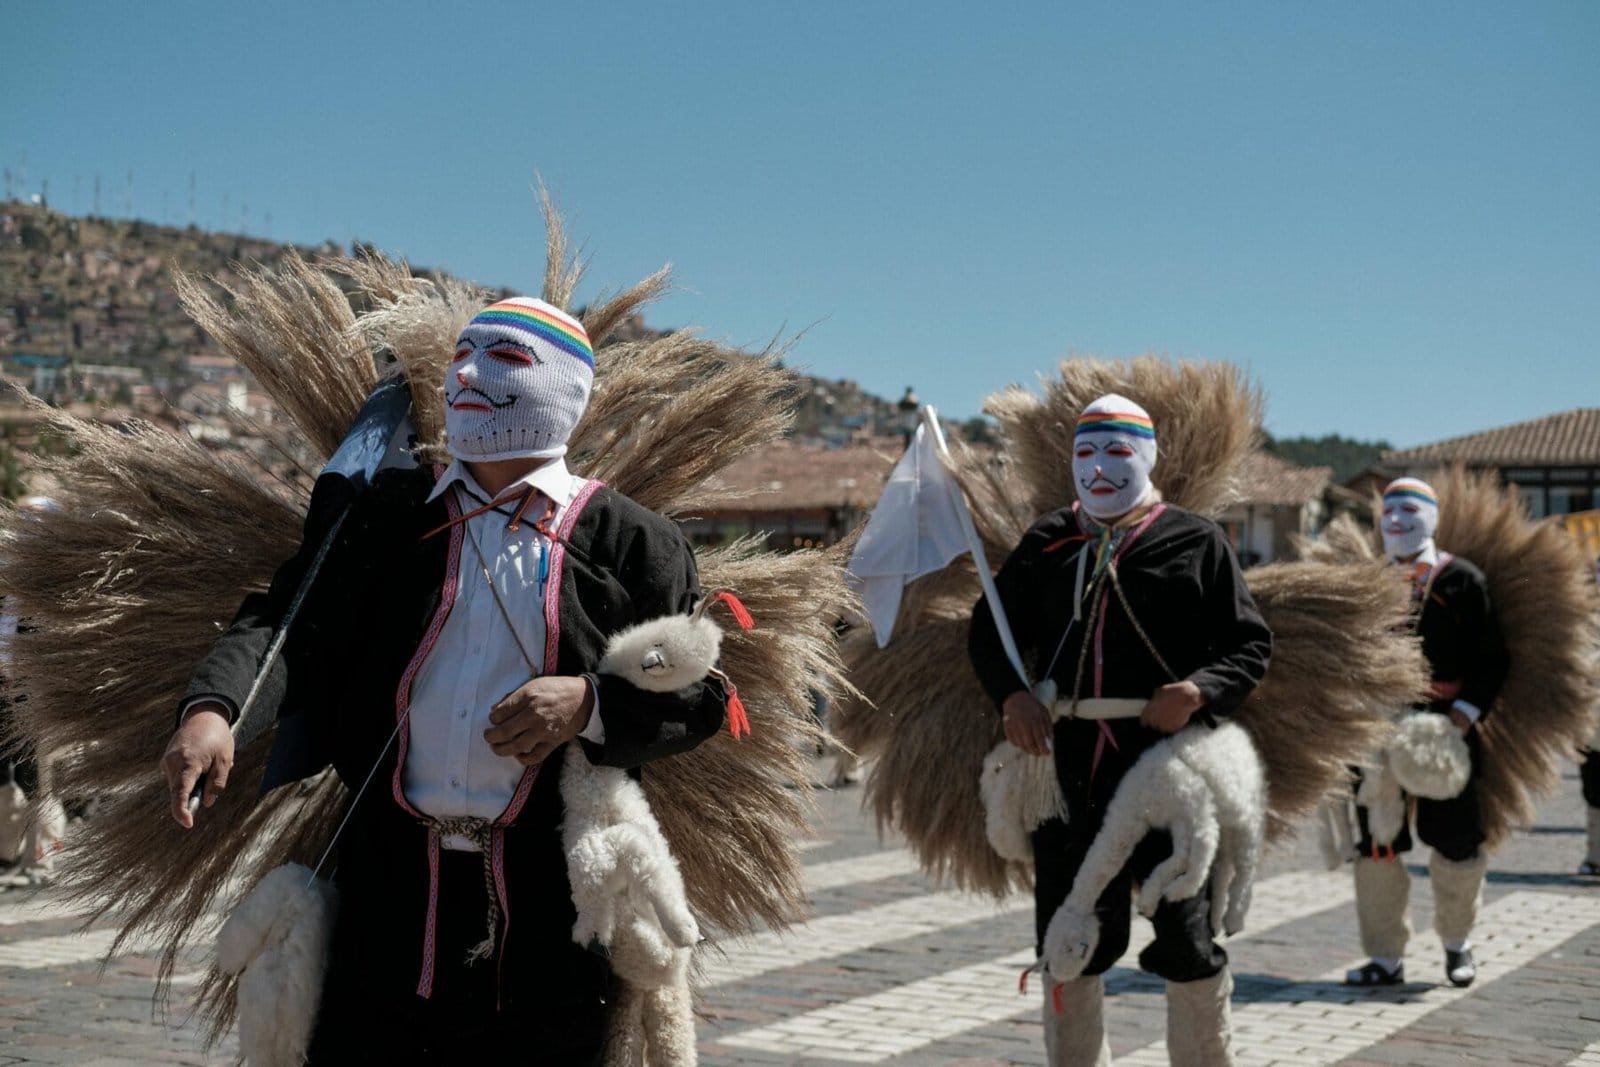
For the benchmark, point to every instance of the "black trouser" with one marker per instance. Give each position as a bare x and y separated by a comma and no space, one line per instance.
1589,774
549,1008
1183,950
1453,828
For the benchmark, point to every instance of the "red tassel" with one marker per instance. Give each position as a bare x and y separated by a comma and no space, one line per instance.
740,615
738,721
1055,998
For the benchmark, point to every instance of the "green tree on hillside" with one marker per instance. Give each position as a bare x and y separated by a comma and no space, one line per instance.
1347,456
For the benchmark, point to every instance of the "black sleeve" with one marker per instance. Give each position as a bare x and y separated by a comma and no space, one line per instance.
1022,598
229,669
1484,660
658,572
1238,643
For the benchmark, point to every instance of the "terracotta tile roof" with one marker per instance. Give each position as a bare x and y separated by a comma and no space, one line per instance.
789,477
1266,479
786,476
1568,438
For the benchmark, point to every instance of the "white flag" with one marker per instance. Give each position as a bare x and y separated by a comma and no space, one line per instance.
921,523
915,529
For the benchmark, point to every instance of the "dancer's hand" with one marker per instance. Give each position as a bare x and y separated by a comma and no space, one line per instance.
1169,710
540,717
1462,721
1027,723
202,744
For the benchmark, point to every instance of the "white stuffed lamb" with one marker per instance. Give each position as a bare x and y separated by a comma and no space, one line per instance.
276,941
1206,788
626,885
1429,756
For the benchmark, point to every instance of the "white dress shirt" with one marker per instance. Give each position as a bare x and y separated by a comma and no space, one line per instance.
476,661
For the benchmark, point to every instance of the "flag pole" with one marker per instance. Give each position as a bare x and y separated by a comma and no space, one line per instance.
930,419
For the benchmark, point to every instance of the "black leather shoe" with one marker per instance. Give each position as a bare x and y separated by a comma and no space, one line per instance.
1459,967
1372,973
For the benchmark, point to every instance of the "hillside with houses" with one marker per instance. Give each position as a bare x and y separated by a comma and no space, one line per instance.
89,320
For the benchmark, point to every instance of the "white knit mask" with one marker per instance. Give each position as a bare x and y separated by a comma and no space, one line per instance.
1410,517
518,384
1113,453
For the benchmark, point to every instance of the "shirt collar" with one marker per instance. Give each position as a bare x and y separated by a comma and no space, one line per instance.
1428,557
552,479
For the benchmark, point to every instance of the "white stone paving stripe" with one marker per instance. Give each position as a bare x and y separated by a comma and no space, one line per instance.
58,951
909,1017
890,863
1589,1057
37,911
82,946
903,922
1326,1022
853,931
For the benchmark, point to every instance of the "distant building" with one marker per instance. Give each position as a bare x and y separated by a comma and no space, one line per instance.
1553,461
797,495
1278,499
802,496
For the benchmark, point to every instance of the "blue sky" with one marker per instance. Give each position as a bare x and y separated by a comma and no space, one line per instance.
1390,214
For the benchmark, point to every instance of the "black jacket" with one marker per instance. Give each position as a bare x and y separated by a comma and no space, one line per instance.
1185,588
1461,635
335,694
334,689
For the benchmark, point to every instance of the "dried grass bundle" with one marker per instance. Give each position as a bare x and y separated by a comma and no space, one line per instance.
294,331
1339,668
1543,591
1207,420
732,809
415,320
670,412
159,539
928,723
1344,540
156,540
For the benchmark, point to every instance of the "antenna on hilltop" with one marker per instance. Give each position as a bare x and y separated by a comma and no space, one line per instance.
191,198
97,195
130,194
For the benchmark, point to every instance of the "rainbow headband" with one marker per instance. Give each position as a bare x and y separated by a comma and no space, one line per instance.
1115,422
557,330
1411,489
